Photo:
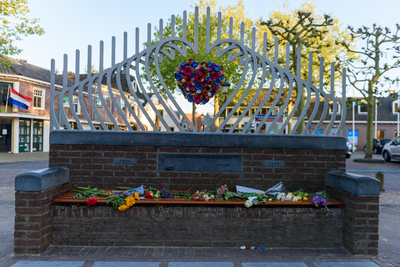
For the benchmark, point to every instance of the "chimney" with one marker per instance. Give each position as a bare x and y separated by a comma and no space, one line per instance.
391,92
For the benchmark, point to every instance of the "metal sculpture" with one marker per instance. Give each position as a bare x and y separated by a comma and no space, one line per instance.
249,58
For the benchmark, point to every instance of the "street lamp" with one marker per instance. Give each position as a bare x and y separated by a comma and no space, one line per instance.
225,90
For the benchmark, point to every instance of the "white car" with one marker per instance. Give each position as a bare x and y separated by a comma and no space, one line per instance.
392,150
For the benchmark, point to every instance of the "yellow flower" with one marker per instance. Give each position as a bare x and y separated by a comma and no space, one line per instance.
137,196
305,198
123,207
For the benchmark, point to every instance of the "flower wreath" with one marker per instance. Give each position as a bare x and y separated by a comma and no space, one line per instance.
199,82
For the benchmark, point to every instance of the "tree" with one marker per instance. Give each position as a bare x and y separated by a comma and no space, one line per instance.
14,25
231,68
303,28
373,70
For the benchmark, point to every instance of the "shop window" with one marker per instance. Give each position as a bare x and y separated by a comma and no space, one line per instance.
38,98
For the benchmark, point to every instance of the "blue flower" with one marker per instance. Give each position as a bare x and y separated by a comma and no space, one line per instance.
222,77
204,101
197,86
194,64
217,82
183,64
209,64
217,68
178,77
190,99
184,87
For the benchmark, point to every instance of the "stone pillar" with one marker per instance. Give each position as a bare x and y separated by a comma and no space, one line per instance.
360,195
34,194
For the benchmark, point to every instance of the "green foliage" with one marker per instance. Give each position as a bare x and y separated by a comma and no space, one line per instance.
300,193
117,200
87,192
14,26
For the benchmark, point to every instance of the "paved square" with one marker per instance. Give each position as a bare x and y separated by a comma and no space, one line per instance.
274,264
125,264
345,264
48,264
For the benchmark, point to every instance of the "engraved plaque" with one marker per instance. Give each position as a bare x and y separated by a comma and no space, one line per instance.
125,161
274,163
199,162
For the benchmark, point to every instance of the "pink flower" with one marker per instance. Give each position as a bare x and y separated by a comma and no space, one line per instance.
197,101
214,76
187,71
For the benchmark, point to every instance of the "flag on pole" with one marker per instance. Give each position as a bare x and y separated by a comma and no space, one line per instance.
19,100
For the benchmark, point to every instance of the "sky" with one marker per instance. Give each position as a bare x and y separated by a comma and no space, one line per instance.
75,24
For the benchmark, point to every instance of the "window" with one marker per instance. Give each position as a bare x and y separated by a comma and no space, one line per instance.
98,100
122,104
263,111
184,126
107,100
77,105
395,133
380,134
338,111
363,108
172,128
395,106
38,98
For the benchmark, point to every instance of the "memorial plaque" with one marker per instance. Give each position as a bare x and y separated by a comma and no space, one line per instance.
125,161
199,162
274,163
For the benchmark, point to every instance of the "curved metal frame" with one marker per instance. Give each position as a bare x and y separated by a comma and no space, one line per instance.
249,57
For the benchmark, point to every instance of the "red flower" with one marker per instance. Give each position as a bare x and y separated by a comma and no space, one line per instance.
91,201
148,194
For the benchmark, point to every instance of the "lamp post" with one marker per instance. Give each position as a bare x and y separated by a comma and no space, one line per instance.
225,90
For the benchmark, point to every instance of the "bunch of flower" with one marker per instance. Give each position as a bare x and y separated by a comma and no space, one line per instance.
221,191
199,82
130,201
288,197
203,196
163,192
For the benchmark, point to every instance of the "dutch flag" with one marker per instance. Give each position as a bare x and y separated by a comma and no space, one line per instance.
19,100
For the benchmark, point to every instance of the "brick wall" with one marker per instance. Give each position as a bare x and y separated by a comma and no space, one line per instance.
360,221
200,226
33,222
94,165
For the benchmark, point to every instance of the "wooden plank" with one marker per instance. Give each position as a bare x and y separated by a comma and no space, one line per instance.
68,199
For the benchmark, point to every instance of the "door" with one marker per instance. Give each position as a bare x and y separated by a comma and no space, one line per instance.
37,142
5,134
24,135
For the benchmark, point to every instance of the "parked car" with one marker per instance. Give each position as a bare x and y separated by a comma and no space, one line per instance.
392,150
349,148
377,145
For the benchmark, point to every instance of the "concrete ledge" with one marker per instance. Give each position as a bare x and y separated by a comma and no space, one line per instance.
353,183
180,139
41,180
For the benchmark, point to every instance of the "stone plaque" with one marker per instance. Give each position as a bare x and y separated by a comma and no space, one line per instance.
274,163
199,162
125,161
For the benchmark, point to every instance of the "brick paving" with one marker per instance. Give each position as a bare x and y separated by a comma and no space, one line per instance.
389,243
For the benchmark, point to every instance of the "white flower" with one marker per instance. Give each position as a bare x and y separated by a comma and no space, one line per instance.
270,199
288,197
209,94
280,196
294,199
248,203
198,91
